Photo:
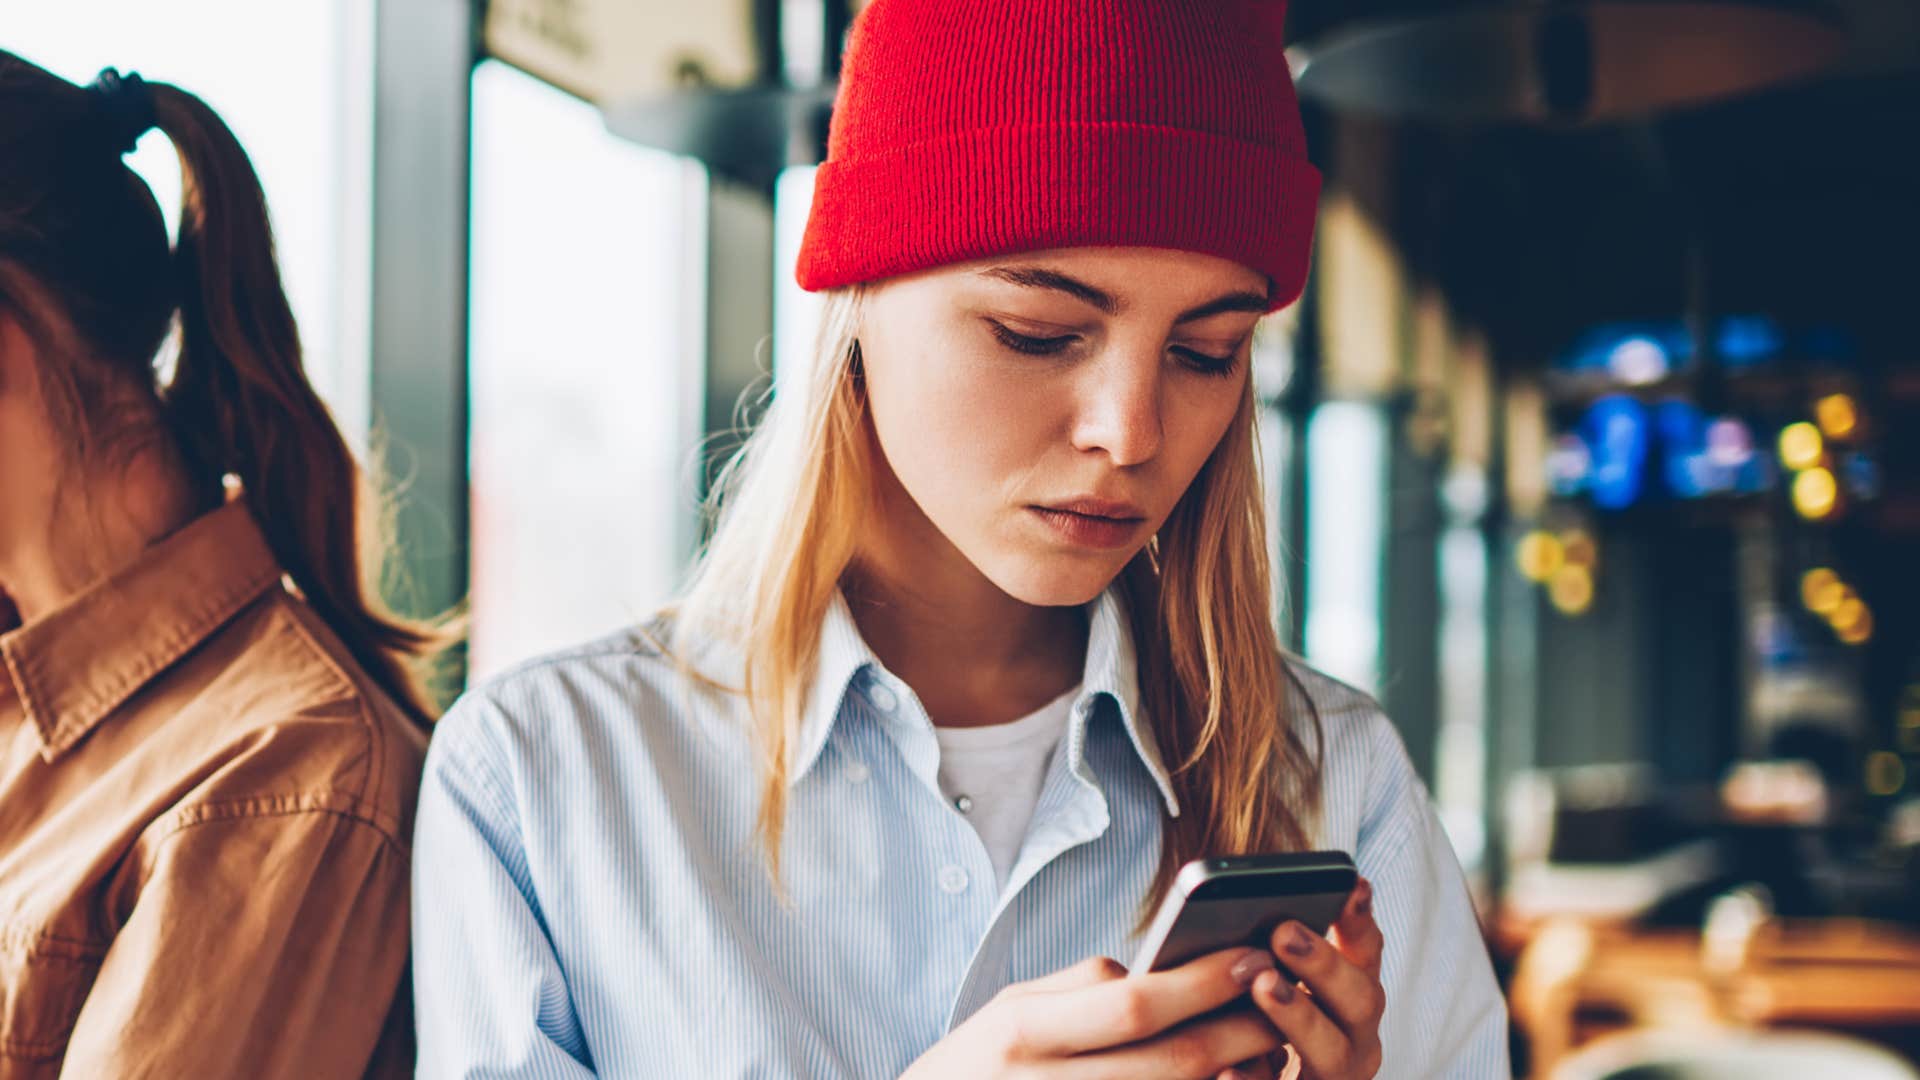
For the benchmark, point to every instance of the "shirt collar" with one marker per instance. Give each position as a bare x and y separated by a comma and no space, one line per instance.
1110,671
843,655
74,665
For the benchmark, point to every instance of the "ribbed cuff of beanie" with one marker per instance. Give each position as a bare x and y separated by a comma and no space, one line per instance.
998,191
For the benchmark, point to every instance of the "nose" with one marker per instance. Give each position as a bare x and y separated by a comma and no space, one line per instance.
1119,406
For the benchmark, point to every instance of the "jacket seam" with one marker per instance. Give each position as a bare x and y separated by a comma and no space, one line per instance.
371,781
273,806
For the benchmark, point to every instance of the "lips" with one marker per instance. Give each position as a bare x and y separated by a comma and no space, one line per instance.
1099,508
1093,523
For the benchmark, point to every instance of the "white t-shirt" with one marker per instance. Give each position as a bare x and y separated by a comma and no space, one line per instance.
993,775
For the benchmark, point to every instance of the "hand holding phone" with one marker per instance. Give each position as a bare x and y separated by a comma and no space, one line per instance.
1220,903
1288,904
1094,1019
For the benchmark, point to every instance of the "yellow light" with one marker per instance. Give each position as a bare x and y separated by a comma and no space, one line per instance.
1821,590
1578,549
1800,446
1540,555
1571,590
1814,493
1853,621
1886,773
1858,633
1851,609
1837,415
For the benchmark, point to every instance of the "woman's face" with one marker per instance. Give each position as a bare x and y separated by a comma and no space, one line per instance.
1043,413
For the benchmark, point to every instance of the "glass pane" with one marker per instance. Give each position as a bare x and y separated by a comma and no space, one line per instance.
1272,426
796,312
582,357
1346,516
1460,783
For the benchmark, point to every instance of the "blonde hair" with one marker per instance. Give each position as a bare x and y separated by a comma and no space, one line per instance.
789,506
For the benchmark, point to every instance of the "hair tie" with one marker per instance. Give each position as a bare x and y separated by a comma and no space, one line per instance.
125,105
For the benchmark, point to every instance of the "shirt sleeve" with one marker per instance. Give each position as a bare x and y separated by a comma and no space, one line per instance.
490,998
1445,1016
264,940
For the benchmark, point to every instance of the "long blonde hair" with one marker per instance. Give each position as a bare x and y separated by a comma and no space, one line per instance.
1212,678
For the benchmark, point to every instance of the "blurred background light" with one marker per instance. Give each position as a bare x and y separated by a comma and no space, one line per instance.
1801,446
1815,494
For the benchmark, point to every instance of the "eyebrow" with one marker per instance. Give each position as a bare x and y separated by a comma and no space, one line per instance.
1034,277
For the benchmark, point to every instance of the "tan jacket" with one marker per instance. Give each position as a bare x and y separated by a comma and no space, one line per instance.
204,819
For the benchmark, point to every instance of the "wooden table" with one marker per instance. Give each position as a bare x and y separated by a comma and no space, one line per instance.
1577,980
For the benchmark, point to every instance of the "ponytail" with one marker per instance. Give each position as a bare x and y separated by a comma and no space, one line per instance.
239,404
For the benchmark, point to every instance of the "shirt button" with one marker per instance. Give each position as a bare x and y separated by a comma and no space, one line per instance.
857,772
953,879
882,698
963,803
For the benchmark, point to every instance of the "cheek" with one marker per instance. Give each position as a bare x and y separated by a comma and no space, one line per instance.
954,428
1198,418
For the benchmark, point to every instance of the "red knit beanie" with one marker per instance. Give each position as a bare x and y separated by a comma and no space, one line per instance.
971,128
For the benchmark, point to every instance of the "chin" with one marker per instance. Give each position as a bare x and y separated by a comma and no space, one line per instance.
1055,582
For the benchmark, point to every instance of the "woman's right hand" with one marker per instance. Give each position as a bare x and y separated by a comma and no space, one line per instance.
1094,1020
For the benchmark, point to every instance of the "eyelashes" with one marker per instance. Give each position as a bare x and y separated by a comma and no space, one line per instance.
1028,345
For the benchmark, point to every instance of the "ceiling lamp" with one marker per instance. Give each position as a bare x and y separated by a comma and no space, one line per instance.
1562,61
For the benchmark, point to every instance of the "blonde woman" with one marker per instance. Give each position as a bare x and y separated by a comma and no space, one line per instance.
981,651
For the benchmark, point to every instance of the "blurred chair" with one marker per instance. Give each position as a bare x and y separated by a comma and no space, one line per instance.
1732,1055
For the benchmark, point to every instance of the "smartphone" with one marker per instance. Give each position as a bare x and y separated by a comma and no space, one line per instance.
1223,903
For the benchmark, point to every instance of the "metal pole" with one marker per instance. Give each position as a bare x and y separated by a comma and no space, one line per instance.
424,54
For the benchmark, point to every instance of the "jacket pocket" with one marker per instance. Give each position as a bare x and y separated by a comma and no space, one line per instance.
43,983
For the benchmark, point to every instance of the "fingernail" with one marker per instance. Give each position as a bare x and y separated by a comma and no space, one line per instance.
1299,943
1248,967
1364,905
1234,1074
1282,991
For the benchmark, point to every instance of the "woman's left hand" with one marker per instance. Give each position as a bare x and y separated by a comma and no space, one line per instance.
1332,1016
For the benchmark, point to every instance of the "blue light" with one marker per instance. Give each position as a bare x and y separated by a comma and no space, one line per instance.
1744,341
1683,443
1569,465
1632,353
1862,475
1617,433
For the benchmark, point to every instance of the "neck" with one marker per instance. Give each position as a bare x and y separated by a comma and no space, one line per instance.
60,548
973,654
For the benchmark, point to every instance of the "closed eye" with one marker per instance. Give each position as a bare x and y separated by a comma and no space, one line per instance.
1203,362
1207,363
1028,344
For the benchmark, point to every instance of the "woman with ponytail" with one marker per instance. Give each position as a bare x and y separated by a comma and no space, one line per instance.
982,650
210,730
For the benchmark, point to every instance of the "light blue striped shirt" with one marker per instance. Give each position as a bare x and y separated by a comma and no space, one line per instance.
591,896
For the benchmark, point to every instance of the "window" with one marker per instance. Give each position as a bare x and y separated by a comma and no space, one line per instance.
582,357
1346,521
299,96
